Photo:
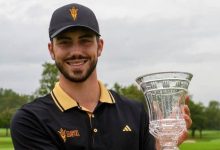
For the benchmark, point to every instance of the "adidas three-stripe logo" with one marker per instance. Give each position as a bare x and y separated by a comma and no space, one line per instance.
126,128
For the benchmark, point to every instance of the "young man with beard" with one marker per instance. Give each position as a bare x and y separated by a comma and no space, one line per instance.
80,113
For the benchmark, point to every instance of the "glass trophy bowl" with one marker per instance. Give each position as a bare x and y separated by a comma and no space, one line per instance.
165,94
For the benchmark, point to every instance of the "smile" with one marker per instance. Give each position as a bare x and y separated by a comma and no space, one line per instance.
77,62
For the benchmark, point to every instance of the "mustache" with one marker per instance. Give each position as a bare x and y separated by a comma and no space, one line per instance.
76,57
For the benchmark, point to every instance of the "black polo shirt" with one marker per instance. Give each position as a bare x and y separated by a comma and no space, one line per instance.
58,122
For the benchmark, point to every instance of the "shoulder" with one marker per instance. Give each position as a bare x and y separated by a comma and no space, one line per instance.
33,110
40,103
29,126
33,114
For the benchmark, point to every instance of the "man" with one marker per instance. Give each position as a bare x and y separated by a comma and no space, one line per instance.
80,113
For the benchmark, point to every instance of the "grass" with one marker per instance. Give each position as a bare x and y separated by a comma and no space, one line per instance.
209,141
210,145
6,143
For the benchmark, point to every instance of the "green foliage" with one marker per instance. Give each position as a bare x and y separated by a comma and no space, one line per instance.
5,116
205,117
48,79
131,92
10,102
213,115
198,116
10,99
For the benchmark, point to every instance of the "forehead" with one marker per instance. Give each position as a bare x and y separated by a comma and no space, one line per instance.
78,30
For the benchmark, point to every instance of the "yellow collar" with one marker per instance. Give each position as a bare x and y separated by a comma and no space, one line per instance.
65,102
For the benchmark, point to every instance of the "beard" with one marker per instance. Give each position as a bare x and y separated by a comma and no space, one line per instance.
77,75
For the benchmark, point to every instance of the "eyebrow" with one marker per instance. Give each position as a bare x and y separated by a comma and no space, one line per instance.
63,37
86,35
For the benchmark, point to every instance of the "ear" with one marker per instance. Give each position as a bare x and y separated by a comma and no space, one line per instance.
100,46
50,48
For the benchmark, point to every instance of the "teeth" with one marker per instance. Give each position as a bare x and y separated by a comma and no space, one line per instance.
76,62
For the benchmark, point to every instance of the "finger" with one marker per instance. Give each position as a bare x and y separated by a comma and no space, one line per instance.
157,144
187,100
186,110
188,121
183,137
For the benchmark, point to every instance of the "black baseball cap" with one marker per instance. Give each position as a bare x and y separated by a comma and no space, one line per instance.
72,15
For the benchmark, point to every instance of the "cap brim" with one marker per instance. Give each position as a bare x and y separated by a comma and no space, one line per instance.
71,26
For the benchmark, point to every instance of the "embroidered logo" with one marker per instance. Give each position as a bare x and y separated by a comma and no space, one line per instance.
126,129
74,13
64,134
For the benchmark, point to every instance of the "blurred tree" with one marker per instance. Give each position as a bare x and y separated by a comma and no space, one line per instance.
130,91
48,79
213,115
198,117
5,118
10,101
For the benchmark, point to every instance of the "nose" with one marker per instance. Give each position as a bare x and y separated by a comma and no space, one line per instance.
76,49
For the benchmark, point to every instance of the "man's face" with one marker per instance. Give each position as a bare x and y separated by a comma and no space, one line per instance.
76,53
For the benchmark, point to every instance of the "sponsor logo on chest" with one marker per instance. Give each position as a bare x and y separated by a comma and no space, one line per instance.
64,134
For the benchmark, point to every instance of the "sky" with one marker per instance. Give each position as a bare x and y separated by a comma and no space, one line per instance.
140,37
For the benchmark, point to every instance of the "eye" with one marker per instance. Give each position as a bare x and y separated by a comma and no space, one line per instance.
86,41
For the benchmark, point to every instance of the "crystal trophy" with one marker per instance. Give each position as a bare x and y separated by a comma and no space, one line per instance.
165,94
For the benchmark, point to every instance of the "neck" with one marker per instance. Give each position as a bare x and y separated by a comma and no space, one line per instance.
86,93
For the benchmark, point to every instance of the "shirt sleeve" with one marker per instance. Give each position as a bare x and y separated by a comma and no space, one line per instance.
147,141
27,133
